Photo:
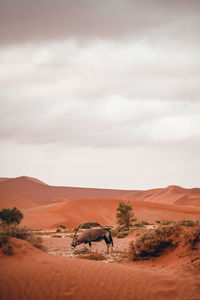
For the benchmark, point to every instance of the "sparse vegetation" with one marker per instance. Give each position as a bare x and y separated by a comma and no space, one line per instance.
165,222
192,236
81,251
152,242
93,256
122,234
24,233
62,226
7,249
11,216
141,224
188,223
89,225
125,214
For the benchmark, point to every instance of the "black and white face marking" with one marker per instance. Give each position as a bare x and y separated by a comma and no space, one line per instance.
74,244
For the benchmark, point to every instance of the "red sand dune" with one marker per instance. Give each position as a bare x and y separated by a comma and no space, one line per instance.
47,206
31,274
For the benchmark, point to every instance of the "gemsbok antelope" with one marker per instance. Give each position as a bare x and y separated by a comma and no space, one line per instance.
93,235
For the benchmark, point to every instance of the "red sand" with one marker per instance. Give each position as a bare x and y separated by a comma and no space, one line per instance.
32,274
47,206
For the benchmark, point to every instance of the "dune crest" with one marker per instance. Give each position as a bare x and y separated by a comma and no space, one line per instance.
46,206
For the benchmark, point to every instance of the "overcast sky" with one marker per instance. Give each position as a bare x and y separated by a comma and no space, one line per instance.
100,93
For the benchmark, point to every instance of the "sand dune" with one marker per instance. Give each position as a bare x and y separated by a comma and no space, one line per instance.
71,213
40,193
47,206
32,274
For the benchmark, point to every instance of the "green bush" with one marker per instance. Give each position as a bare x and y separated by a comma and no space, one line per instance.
11,216
125,214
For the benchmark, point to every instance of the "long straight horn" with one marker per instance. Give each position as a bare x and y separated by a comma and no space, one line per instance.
76,230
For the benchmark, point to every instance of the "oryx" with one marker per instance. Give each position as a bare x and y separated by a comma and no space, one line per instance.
93,235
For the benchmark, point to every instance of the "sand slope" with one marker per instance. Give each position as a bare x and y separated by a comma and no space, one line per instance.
47,206
32,274
40,193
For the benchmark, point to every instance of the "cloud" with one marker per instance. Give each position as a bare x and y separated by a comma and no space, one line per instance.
101,94
32,21
114,122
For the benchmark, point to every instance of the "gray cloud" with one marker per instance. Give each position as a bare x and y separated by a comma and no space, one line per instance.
102,94
107,85
27,21
114,122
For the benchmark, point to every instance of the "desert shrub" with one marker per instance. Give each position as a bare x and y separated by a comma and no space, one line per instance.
58,230
56,236
188,223
62,226
93,256
122,234
152,242
7,249
3,238
89,225
81,251
11,216
192,236
23,233
165,222
125,214
141,224
158,221
37,242
138,225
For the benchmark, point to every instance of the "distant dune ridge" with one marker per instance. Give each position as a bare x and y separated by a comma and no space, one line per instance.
46,206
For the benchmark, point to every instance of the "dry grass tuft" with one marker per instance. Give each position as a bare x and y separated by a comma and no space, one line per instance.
93,256
192,236
24,233
154,241
7,249
81,251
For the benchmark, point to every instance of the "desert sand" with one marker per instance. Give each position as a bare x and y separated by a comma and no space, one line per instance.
47,206
30,273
